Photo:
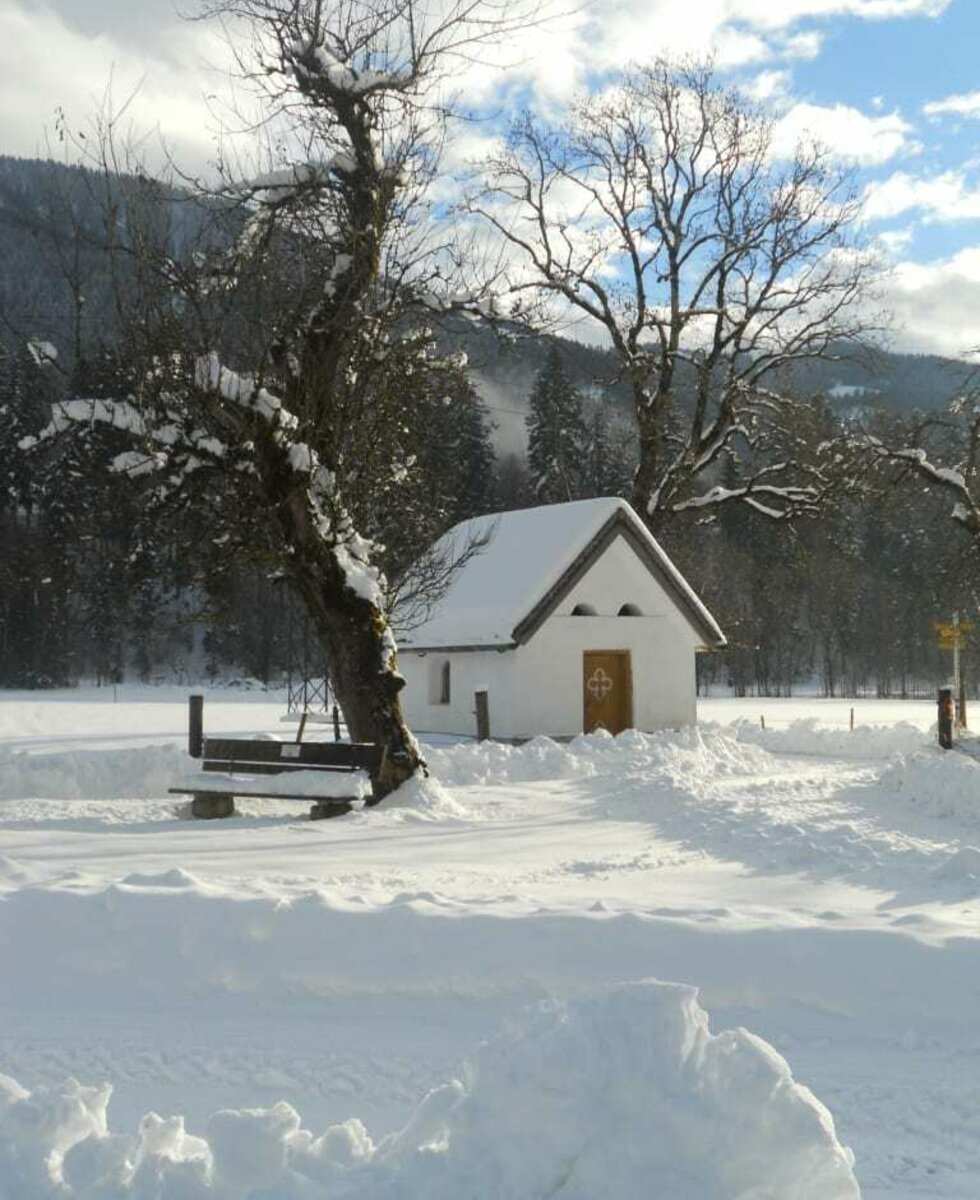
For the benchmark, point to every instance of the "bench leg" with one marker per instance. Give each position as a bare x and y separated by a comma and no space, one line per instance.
322,810
206,806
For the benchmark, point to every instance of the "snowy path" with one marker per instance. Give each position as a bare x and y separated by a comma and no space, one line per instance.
826,894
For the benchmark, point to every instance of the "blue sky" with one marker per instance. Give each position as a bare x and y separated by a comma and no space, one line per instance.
899,66
858,74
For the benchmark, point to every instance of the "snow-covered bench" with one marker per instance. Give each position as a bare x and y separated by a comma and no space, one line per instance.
237,762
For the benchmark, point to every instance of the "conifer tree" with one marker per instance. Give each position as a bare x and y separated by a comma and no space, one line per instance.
473,478
609,459
556,435
34,571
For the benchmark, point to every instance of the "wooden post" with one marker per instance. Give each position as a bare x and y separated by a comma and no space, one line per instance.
302,727
336,723
957,680
762,720
195,726
210,806
852,720
946,717
961,714
482,716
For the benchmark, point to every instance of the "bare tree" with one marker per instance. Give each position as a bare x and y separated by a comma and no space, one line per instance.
414,593
331,253
940,450
661,215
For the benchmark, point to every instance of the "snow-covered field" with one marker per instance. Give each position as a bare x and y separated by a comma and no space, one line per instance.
453,982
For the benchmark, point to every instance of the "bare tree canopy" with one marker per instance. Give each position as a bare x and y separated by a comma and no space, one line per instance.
659,214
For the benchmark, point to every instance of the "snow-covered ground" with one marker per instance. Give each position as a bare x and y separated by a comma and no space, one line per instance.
820,888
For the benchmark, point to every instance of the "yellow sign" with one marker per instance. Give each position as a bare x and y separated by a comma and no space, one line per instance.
947,629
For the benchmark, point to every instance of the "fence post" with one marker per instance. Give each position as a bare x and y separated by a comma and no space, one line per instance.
762,720
195,726
852,720
336,723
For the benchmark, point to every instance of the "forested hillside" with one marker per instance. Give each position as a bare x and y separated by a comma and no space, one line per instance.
90,586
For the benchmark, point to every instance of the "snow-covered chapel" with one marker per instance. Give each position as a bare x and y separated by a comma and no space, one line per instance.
570,618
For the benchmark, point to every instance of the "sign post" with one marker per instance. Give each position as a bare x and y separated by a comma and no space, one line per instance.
954,635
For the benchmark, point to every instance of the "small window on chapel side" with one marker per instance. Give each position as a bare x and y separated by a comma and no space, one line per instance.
631,610
440,681
584,610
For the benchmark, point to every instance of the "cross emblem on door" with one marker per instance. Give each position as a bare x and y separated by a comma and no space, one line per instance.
599,684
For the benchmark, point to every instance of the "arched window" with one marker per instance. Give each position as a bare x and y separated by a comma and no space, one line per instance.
630,610
584,610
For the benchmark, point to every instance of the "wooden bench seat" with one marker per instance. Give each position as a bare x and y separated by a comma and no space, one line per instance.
256,756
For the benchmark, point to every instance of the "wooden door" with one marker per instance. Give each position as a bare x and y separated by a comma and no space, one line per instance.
608,690
482,716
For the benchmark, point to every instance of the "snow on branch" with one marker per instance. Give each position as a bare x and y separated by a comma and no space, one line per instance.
135,463
276,187
66,414
944,475
315,63
965,511
792,499
242,390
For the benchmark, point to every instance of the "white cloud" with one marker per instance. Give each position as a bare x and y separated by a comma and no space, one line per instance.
967,104
780,13
738,47
848,132
47,59
769,87
605,34
894,241
45,65
945,197
935,304
803,45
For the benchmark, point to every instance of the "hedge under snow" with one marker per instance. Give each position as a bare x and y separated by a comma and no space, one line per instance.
623,1093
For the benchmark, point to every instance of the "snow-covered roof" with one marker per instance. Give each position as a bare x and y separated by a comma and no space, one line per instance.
494,598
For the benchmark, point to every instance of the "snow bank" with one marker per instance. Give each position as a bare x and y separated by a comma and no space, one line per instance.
423,799
624,1093
92,774
693,752
147,772
936,782
808,736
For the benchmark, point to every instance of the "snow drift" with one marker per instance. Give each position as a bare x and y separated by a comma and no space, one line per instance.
623,1093
705,752
144,771
809,736
937,783
690,752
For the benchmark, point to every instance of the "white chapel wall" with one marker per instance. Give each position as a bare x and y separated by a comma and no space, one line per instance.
661,643
538,688
470,672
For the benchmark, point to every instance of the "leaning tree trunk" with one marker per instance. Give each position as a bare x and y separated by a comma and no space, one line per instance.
362,667
351,628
